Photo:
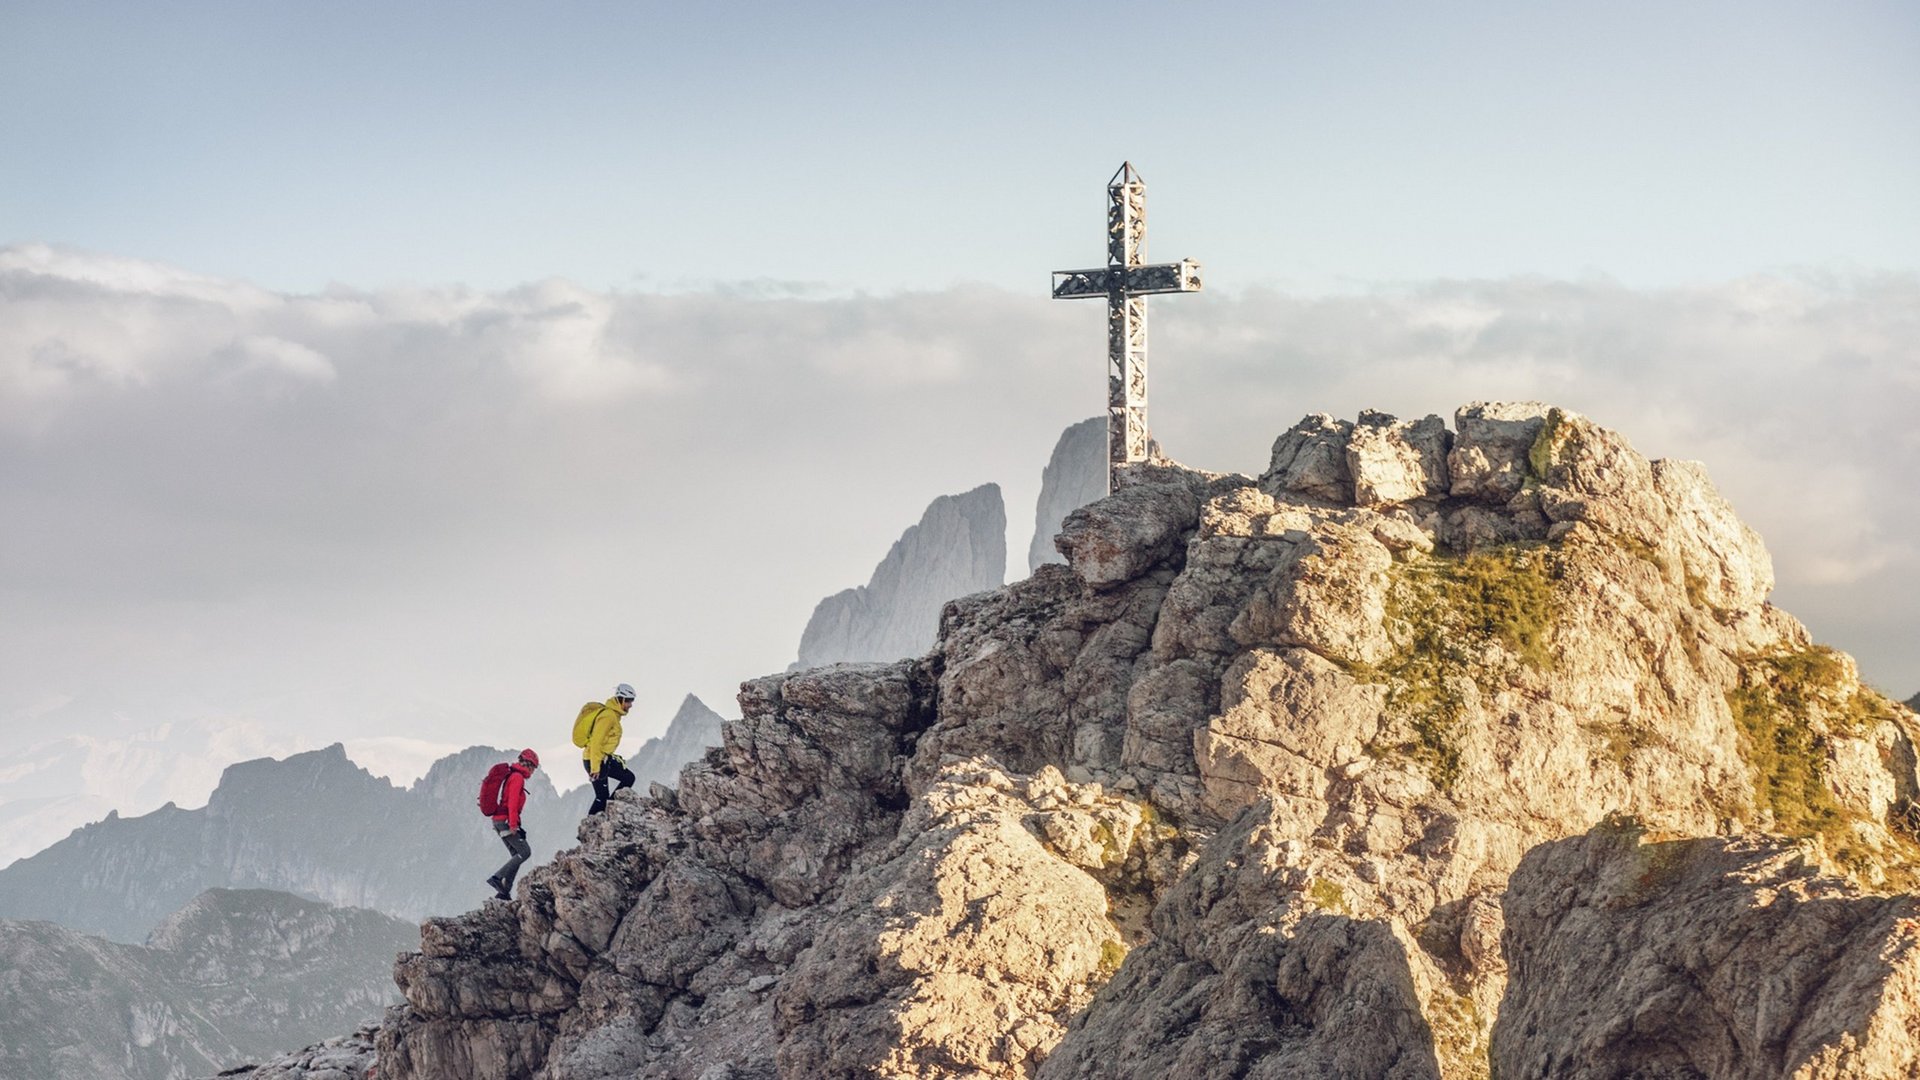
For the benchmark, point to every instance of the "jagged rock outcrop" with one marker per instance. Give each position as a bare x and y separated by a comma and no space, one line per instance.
692,730
958,547
1237,791
232,976
314,824
1075,475
1914,703
1702,957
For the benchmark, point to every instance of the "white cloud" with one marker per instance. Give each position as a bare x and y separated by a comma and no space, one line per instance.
266,353
401,760
432,513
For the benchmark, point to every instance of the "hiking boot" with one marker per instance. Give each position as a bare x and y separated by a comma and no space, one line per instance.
499,888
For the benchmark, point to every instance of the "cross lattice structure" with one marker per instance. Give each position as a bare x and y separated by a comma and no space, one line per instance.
1126,282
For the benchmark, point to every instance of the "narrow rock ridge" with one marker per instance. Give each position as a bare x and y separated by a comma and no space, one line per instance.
1237,791
959,546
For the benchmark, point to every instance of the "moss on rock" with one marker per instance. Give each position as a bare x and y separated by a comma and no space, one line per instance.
1443,612
1788,709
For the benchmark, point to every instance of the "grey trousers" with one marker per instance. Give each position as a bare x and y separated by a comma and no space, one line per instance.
517,846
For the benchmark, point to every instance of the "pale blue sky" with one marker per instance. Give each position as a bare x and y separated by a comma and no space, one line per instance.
886,146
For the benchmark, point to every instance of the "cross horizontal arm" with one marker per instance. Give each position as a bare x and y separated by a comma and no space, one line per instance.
1183,276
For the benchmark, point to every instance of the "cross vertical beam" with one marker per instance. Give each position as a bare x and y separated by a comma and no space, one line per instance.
1126,282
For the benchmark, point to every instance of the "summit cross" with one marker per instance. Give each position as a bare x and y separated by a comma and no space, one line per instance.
1126,282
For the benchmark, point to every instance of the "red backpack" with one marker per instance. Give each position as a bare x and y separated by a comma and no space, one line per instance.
492,788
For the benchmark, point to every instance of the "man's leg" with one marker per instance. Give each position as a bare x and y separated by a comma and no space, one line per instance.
518,850
617,768
521,851
599,787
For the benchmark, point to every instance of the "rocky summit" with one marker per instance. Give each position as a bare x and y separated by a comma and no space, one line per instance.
1431,752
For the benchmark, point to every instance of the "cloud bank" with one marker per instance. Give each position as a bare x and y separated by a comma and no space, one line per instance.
451,515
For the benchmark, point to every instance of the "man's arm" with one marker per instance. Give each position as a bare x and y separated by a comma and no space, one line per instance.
515,797
596,751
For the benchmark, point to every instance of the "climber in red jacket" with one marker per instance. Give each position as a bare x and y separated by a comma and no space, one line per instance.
513,796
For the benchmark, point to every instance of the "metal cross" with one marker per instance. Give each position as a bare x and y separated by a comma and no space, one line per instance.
1126,283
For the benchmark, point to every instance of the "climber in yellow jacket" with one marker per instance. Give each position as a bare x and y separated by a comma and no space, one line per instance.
602,739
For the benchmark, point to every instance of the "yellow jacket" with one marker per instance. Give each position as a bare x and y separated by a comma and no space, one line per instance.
604,737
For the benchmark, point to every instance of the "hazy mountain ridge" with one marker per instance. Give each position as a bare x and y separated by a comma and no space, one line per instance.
230,977
313,824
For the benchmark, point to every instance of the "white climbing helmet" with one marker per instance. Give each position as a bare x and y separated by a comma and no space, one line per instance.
624,692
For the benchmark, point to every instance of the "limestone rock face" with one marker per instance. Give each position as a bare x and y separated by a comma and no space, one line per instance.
1076,474
314,824
1491,451
1310,461
233,976
1240,790
1705,957
958,547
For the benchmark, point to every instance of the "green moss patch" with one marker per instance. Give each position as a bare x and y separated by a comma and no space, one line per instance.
1327,896
1459,1036
1555,436
1443,611
1788,708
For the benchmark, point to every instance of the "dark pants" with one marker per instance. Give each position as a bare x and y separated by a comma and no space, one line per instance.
517,847
611,768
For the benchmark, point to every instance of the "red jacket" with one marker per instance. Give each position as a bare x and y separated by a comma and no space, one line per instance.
513,795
